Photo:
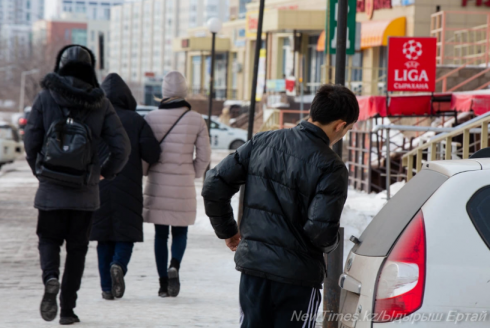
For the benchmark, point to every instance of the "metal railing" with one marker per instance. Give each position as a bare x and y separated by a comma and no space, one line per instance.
272,122
467,139
461,46
277,121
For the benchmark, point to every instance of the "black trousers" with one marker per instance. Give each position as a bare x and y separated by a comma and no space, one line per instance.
270,304
53,228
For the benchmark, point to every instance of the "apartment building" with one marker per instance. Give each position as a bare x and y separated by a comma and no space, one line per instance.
142,34
16,18
90,9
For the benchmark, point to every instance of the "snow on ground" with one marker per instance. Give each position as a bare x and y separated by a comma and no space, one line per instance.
209,296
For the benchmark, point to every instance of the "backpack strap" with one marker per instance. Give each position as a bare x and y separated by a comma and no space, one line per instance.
173,126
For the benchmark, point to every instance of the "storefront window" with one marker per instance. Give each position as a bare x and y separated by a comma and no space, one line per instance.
219,75
314,65
234,77
196,74
287,58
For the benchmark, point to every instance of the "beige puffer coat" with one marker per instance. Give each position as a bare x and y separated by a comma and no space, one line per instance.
170,193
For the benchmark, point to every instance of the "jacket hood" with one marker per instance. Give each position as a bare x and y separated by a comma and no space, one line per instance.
118,92
72,92
77,61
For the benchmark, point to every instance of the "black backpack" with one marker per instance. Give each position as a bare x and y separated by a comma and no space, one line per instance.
67,156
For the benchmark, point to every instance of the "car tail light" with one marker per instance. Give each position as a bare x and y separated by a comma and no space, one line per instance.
22,121
401,283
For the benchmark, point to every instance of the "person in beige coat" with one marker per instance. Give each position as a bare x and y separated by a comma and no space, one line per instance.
170,193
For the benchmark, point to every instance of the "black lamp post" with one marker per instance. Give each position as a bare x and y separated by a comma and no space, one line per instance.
214,26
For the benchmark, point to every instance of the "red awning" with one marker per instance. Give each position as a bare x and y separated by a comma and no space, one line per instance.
420,105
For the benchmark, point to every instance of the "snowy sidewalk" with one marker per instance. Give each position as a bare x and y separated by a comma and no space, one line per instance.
209,294
208,298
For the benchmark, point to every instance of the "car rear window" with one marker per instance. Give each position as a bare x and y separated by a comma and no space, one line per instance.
381,234
478,209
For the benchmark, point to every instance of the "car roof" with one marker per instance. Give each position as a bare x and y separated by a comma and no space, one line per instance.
453,167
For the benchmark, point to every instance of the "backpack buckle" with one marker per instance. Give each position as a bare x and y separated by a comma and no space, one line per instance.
69,120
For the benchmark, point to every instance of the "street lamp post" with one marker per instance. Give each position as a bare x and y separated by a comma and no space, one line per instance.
214,26
22,87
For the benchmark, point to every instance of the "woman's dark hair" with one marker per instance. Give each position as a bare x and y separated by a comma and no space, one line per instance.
334,102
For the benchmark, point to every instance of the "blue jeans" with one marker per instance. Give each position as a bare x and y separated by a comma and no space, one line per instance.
109,253
179,243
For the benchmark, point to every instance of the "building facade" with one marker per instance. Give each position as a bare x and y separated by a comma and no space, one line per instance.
16,18
51,35
90,9
142,34
294,42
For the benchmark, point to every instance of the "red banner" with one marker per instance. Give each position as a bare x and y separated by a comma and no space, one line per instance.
412,64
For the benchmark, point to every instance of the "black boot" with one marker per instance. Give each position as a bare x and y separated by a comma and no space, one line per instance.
118,286
68,317
173,278
163,292
49,306
107,296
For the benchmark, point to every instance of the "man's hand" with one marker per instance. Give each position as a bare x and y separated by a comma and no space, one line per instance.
101,178
233,242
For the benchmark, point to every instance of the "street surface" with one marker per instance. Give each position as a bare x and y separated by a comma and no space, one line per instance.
209,293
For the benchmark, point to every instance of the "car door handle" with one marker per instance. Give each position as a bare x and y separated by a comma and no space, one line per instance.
348,283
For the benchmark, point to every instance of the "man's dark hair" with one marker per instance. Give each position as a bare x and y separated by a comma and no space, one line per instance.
334,102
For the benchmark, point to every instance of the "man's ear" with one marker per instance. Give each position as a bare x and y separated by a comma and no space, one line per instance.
340,125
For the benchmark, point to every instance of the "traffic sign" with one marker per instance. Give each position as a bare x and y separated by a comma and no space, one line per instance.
351,27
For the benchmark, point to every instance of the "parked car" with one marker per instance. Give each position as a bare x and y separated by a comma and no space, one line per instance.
22,120
426,256
222,136
10,143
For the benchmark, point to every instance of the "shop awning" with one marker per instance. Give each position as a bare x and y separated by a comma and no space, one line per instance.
376,33
320,46
420,105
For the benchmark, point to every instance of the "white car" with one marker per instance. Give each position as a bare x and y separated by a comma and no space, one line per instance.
424,260
10,144
222,136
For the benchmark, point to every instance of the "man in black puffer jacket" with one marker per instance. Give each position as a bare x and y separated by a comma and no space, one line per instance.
295,190
65,213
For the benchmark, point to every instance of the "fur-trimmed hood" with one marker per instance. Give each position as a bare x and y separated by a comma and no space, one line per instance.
73,93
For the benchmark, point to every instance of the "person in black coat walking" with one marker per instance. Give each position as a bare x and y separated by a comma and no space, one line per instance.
118,224
295,190
65,213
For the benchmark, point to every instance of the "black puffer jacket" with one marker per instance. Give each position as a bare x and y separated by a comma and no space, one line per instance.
81,98
296,187
120,215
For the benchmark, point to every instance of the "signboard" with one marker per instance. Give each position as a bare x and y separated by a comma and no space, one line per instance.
395,3
369,6
351,27
261,75
276,85
412,64
478,3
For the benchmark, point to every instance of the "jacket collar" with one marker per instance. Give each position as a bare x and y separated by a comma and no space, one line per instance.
315,130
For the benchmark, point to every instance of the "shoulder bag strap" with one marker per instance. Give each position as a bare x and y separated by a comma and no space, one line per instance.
173,126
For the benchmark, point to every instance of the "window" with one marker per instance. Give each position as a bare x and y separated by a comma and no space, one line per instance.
67,6
28,17
28,4
107,13
79,36
94,13
80,7
479,211
92,36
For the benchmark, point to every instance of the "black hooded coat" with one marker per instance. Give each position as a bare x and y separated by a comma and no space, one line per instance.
120,215
73,89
